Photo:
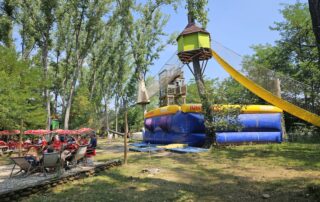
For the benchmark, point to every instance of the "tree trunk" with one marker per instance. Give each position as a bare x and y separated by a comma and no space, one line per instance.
106,109
20,138
45,75
56,91
116,110
314,8
126,133
71,92
206,105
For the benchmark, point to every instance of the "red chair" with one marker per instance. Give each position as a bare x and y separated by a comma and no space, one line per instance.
90,152
12,145
44,143
83,141
57,145
4,146
72,147
3,143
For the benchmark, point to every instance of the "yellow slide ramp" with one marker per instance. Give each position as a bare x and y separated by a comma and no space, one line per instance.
266,95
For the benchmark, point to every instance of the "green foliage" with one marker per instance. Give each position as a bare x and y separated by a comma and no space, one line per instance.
82,110
20,92
220,93
294,56
7,15
193,94
231,92
197,9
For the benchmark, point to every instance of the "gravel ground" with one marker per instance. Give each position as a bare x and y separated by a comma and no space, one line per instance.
18,182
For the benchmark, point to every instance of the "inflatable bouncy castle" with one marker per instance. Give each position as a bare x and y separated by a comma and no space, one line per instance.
185,124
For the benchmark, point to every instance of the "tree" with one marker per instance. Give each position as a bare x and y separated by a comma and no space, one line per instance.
193,93
7,16
85,22
231,92
293,59
144,40
197,10
41,21
20,97
314,8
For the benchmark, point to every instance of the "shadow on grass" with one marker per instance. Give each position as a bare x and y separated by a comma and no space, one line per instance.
300,156
207,184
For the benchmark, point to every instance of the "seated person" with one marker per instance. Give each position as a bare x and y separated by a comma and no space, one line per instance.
28,141
66,158
93,141
56,144
49,148
83,141
33,156
44,142
92,145
71,140
39,141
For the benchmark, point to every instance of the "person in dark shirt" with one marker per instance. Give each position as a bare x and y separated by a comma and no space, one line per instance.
93,141
92,145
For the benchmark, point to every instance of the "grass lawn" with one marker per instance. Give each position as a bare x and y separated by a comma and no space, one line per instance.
286,172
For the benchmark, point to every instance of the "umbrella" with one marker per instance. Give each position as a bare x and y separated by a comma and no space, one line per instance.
84,130
65,132
9,132
37,132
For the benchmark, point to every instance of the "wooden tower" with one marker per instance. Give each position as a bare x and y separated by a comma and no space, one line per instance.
173,89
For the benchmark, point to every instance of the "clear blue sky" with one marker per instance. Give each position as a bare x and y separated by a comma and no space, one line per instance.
237,24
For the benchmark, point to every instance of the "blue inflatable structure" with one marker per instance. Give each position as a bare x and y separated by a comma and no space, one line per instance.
188,128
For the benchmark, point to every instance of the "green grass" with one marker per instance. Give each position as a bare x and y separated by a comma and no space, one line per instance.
241,173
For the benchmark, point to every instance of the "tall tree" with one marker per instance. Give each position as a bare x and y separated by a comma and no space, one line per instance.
41,21
7,15
294,56
314,8
85,19
144,39
197,11
20,97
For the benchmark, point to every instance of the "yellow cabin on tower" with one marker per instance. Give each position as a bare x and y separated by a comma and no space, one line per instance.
194,41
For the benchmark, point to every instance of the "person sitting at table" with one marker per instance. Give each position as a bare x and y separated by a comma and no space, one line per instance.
32,156
71,140
28,141
57,144
49,148
83,140
39,140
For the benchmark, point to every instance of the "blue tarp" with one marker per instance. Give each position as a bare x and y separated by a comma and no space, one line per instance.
146,149
188,150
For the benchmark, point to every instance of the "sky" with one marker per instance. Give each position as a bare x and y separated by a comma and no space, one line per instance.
237,24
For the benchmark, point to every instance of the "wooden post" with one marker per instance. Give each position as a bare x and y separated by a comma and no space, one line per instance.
277,87
20,138
125,134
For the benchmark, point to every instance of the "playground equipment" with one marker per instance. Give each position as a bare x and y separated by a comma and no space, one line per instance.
175,124
267,95
185,124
